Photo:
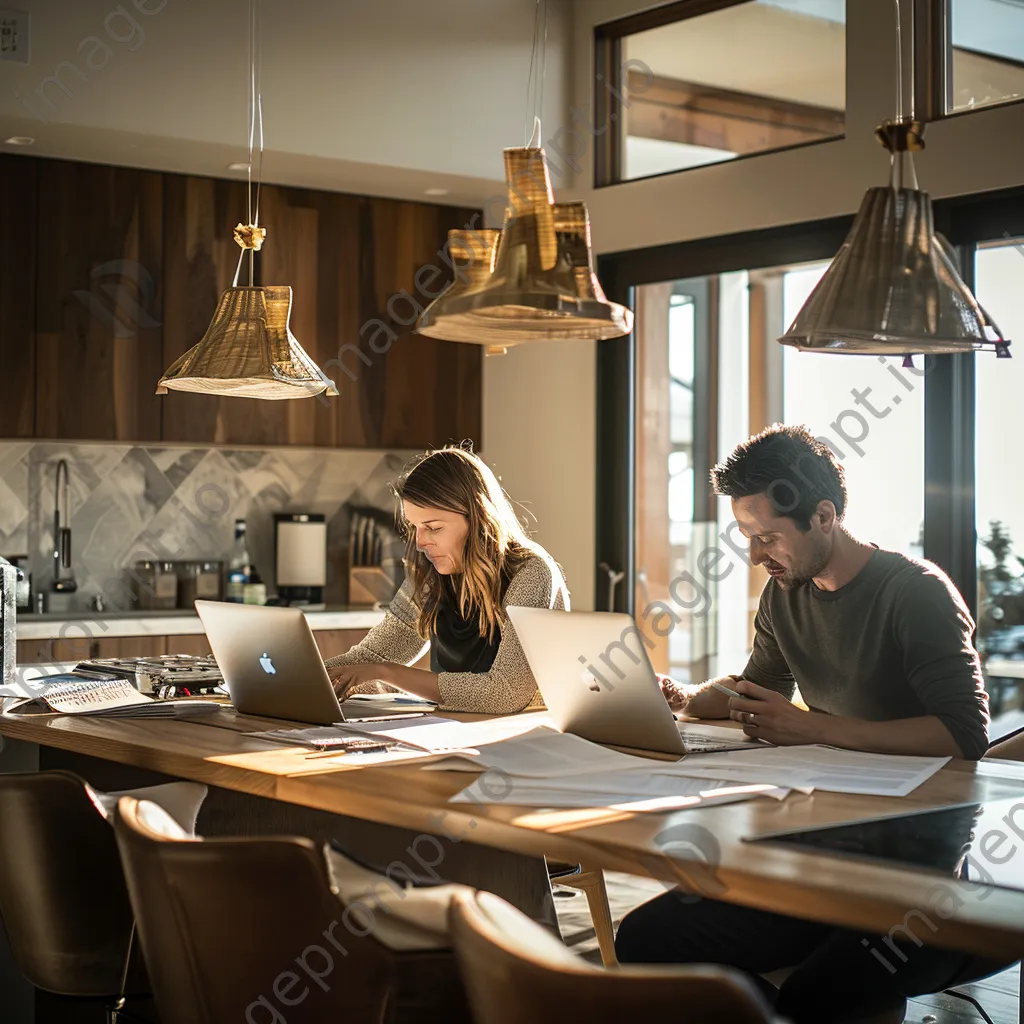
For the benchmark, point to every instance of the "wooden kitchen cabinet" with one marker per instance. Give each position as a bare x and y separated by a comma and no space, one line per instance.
129,646
98,281
196,645
333,642
18,177
49,652
75,649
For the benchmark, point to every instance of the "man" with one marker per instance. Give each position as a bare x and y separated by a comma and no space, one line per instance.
880,647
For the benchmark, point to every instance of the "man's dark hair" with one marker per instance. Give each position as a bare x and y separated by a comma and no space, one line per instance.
788,465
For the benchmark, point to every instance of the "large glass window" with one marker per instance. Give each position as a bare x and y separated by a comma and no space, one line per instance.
999,490
755,76
870,410
709,373
985,61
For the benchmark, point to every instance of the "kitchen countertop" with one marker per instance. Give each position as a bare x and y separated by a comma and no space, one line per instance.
71,625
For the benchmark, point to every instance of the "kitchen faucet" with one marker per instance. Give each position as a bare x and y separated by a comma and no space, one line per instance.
62,533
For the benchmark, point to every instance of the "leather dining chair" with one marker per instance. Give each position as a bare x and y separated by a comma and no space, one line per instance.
515,972
590,881
256,929
63,900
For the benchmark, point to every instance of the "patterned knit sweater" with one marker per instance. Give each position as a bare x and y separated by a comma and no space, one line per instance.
509,685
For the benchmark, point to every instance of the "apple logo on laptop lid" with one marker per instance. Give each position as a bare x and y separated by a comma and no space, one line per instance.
267,665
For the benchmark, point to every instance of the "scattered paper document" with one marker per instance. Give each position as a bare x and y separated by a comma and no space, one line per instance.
630,790
440,735
822,767
546,754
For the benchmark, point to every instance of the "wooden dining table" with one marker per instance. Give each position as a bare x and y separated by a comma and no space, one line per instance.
702,849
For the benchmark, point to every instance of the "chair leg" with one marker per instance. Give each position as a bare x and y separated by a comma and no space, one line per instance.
591,883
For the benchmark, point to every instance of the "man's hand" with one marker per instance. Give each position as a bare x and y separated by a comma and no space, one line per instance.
767,715
344,678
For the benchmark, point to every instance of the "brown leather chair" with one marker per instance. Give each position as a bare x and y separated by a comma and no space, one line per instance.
62,894
253,930
515,972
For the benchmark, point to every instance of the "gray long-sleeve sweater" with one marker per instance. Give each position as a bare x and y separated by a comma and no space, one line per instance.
509,686
895,642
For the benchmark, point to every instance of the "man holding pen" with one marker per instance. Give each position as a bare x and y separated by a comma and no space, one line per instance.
880,647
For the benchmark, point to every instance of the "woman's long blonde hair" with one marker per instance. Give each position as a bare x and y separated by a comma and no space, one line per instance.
456,480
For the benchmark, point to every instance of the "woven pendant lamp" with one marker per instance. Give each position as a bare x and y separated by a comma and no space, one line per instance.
894,288
249,351
471,254
542,286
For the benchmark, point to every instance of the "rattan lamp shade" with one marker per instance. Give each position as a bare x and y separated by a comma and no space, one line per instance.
892,289
542,286
471,254
249,351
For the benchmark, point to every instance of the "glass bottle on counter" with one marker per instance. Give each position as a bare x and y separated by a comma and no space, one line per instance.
238,566
255,590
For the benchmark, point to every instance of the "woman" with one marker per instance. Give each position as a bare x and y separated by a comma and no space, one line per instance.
467,560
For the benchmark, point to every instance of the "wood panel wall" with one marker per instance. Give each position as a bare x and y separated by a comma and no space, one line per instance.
98,303
108,274
17,296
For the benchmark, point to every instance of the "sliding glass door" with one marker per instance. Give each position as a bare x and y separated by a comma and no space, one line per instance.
999,488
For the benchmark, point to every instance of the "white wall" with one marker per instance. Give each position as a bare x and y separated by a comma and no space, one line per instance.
539,439
380,96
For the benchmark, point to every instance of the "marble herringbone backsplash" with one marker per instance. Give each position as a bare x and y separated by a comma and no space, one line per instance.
130,503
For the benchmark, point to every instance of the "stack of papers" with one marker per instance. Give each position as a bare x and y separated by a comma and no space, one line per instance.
541,766
814,766
441,735
621,791
546,768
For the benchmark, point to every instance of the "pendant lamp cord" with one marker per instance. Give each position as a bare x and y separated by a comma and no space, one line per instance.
255,112
535,82
898,158
899,63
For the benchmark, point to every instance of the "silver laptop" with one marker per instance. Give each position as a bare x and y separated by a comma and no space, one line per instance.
272,666
596,679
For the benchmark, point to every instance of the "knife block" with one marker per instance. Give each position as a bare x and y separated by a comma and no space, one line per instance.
369,585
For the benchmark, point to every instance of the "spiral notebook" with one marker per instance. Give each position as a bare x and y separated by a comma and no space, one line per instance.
111,698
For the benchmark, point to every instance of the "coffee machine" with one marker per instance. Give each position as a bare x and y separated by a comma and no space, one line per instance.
300,557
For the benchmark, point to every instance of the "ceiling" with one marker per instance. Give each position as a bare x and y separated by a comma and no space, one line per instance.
385,98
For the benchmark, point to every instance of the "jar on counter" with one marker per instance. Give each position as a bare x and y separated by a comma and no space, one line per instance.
210,581
198,581
155,585
187,573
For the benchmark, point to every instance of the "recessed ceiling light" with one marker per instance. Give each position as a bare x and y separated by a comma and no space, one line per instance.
435,192
20,140
238,167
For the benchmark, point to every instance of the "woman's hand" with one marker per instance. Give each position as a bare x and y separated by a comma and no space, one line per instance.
344,678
